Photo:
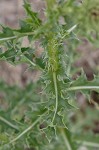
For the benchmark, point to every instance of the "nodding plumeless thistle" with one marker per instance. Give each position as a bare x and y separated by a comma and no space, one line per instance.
46,111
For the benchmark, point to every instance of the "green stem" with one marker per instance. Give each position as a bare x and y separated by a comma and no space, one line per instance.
68,145
19,35
89,144
65,138
56,94
8,38
34,64
8,123
26,130
82,88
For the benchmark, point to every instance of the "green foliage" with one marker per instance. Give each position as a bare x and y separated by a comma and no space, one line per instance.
38,117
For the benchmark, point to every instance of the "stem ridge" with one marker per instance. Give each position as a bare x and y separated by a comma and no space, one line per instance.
56,94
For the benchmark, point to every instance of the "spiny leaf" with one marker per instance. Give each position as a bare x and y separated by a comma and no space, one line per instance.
6,34
31,14
24,27
8,55
81,83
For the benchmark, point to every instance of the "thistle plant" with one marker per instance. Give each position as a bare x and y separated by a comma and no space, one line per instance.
45,123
